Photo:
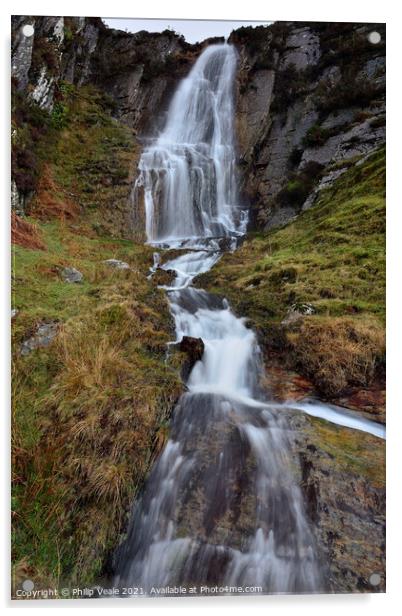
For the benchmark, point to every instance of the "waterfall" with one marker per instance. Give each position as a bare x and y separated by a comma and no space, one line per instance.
187,176
221,506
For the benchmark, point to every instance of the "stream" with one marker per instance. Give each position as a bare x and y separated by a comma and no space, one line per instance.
221,505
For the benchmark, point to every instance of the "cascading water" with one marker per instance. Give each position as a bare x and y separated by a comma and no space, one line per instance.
221,506
188,174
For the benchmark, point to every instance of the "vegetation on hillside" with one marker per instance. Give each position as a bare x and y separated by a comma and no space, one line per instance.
332,258
90,410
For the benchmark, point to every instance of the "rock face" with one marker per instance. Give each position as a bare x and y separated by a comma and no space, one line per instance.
343,479
310,97
138,71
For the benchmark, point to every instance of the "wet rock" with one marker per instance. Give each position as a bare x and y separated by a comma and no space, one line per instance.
117,264
343,480
43,336
71,275
193,348
164,277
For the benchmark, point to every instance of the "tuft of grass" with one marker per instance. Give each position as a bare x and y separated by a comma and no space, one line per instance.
337,352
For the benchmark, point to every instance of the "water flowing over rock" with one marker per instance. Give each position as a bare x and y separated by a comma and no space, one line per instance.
221,505
187,174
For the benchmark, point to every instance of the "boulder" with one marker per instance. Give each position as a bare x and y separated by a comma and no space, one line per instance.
193,348
70,274
121,265
43,336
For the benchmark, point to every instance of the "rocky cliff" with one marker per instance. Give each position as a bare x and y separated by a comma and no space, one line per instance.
310,97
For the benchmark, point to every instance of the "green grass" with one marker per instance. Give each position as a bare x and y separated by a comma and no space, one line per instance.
39,291
105,372
335,253
351,452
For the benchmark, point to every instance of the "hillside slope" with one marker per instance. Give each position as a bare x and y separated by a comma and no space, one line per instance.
92,393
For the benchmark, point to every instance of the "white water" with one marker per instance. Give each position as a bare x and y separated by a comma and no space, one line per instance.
279,552
187,176
337,415
222,505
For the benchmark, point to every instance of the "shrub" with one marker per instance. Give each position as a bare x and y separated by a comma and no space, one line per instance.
44,53
289,84
59,117
316,136
25,169
32,126
300,185
295,157
347,92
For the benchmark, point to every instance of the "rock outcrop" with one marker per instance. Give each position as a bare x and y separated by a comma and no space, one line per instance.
310,98
343,480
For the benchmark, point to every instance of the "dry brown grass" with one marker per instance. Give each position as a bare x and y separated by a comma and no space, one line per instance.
338,352
51,201
25,233
103,414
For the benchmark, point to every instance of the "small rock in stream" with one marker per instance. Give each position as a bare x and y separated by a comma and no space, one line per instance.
194,349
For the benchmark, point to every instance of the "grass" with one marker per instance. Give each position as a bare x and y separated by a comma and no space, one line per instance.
90,411
332,257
